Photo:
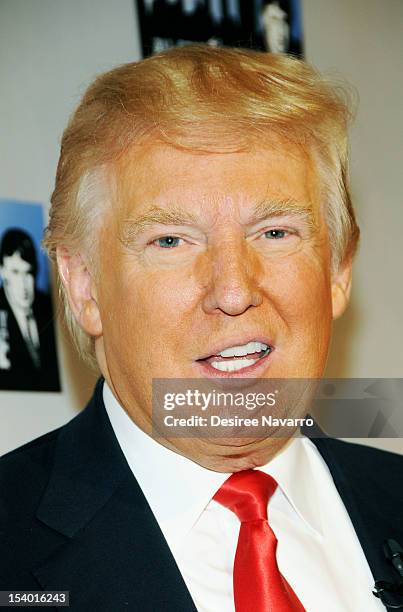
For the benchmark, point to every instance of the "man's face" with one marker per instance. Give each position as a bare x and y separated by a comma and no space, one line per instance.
207,252
18,280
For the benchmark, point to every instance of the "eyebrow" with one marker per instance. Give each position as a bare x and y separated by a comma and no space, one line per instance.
133,227
288,207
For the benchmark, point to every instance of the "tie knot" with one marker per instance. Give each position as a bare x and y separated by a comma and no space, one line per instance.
247,493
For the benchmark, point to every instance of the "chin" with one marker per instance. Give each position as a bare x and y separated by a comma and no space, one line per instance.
235,463
224,455
236,443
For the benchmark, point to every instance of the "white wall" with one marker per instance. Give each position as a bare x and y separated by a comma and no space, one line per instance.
362,40
51,49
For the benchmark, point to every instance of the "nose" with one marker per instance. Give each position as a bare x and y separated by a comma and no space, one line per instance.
233,273
26,282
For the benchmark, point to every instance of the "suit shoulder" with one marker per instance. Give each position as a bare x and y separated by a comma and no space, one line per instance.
24,473
29,449
374,464
370,453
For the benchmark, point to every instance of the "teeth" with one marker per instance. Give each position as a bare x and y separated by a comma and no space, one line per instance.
232,366
245,349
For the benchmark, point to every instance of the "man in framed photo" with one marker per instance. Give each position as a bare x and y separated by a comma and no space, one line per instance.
26,319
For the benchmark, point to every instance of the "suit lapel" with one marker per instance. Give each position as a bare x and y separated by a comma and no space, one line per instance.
115,555
370,485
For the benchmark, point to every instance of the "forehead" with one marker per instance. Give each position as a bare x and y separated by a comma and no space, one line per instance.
224,183
15,262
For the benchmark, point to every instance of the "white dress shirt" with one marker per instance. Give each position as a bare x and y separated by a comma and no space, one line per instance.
318,550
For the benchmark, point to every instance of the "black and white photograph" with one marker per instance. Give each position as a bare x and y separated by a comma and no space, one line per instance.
28,357
266,25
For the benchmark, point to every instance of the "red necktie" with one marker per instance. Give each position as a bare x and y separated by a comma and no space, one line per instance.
258,584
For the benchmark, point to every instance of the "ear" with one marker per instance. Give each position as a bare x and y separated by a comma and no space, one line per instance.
81,290
341,288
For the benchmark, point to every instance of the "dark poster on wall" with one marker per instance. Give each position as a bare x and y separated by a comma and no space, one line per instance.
28,355
266,25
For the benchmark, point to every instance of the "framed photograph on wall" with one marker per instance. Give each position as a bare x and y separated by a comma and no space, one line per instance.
267,25
28,355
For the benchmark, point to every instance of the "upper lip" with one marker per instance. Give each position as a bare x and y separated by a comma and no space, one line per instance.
220,346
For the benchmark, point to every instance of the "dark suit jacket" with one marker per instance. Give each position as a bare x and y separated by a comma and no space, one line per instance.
73,517
23,376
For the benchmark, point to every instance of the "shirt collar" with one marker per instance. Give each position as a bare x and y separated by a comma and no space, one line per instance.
178,490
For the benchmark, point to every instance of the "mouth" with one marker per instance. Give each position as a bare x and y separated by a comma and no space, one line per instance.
237,360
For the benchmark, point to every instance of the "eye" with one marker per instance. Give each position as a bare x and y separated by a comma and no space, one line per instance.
167,242
276,234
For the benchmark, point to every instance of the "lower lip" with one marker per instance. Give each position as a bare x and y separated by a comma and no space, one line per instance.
257,368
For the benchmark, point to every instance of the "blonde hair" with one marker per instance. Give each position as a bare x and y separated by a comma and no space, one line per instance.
202,99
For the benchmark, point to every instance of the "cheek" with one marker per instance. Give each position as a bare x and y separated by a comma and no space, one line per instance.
150,305
303,293
165,302
303,302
